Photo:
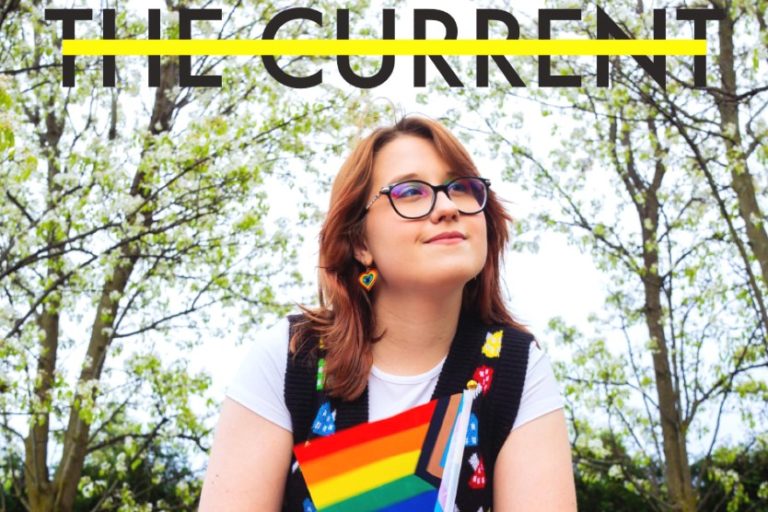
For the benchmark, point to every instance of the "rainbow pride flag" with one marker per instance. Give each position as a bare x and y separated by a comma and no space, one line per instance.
407,462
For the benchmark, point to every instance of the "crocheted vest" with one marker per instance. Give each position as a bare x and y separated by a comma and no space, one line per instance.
495,357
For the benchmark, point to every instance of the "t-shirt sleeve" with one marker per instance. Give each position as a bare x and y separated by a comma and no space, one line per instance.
541,392
259,382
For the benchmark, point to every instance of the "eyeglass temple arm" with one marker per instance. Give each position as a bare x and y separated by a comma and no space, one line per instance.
384,190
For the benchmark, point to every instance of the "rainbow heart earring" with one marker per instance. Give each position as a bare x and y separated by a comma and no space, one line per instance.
368,278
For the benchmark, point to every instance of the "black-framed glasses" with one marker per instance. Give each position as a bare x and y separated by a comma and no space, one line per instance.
415,199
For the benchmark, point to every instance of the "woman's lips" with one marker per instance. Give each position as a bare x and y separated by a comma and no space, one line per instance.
447,241
452,237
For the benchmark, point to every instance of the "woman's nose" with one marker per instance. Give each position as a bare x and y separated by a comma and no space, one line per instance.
444,207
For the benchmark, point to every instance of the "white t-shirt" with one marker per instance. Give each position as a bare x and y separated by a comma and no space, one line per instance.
260,381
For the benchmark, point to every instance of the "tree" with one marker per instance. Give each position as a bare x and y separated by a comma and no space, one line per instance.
735,479
130,476
680,233
132,225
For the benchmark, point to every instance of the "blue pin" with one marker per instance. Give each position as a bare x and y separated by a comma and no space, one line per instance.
325,423
472,431
308,505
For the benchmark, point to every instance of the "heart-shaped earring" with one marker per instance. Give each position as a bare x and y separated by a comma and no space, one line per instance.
368,278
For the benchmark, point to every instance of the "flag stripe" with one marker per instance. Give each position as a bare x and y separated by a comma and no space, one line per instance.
452,437
435,466
424,501
366,478
324,445
341,461
384,496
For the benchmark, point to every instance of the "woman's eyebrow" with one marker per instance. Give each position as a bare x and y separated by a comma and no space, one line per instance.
407,176
414,175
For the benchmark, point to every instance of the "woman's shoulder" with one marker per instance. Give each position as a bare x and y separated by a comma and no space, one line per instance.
303,338
516,329
274,337
258,383
515,348
277,335
268,347
526,340
511,333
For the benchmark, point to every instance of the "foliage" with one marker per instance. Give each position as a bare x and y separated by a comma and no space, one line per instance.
735,479
664,187
135,223
160,480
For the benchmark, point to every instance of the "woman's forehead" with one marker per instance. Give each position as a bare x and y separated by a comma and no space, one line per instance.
409,157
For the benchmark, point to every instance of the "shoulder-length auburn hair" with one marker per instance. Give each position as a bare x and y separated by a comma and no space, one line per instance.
344,319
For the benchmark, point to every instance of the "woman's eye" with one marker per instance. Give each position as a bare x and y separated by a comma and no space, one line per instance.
404,191
459,187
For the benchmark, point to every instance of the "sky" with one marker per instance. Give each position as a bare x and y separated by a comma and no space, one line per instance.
557,281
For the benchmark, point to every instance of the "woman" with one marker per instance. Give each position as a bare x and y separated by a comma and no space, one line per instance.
409,279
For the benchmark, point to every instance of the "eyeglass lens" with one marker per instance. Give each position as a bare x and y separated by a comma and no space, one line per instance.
415,199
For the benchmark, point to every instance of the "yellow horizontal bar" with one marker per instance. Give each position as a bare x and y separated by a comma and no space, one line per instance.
331,47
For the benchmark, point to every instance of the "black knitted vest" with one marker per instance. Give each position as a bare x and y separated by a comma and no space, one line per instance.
495,410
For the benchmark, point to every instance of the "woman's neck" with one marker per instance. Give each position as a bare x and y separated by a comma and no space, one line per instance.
418,331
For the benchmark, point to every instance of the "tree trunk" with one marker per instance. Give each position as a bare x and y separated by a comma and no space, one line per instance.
741,179
36,478
76,437
75,447
37,481
646,201
677,470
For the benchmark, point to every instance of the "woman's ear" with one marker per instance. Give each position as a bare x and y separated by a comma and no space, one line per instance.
362,254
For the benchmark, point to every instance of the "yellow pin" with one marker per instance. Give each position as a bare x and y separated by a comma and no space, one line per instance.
492,346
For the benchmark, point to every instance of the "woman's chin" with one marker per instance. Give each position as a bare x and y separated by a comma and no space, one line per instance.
443,284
